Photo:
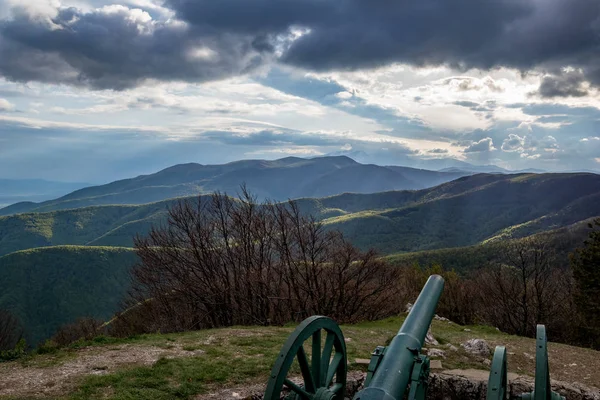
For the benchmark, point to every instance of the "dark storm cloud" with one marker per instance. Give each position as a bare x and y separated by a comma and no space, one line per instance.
108,50
115,48
567,84
460,33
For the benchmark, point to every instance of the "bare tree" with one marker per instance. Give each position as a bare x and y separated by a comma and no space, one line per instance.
221,261
524,288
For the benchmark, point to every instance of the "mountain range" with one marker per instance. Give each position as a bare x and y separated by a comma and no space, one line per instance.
68,257
462,212
281,179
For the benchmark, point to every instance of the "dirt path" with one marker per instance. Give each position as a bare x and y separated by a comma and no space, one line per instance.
54,380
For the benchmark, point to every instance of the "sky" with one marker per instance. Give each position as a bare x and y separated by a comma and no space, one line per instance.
94,91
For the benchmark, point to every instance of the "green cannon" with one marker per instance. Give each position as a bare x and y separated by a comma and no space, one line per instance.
498,382
395,372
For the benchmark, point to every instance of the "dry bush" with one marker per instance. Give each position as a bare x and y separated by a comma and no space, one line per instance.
82,329
524,289
221,261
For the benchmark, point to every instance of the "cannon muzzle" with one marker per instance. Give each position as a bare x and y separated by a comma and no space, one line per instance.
393,374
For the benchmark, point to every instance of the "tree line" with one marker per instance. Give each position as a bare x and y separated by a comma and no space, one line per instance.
221,261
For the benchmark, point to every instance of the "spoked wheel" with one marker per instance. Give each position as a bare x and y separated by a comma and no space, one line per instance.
323,373
498,382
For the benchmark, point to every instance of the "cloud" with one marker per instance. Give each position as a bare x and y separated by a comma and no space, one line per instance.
513,143
566,84
118,47
438,151
468,104
5,105
484,145
115,47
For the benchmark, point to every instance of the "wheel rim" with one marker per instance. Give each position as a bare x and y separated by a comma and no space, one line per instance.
497,384
324,374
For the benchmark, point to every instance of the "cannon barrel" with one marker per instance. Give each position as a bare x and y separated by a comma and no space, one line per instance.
393,374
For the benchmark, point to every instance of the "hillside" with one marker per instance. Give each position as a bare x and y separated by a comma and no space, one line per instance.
463,212
235,362
282,179
105,225
474,209
464,259
459,224
52,286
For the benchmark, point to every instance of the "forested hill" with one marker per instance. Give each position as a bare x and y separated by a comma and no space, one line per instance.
282,179
463,212
46,288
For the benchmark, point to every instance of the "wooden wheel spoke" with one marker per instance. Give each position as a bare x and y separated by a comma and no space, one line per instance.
316,358
306,373
297,389
335,363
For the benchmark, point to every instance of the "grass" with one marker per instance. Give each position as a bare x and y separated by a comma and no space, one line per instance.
204,361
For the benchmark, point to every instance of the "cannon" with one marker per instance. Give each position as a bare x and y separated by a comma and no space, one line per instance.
395,372
498,383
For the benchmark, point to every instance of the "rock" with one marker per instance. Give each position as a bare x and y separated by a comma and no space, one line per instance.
435,364
470,384
429,339
362,361
452,347
487,361
409,307
438,318
478,347
467,330
436,353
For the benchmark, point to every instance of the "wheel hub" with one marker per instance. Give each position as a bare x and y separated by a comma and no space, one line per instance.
324,394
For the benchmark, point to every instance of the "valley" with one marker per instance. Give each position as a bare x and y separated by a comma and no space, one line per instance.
69,257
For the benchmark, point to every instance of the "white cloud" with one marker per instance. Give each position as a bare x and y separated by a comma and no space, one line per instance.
513,143
6,105
483,145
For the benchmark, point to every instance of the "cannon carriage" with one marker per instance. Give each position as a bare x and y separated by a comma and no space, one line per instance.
395,372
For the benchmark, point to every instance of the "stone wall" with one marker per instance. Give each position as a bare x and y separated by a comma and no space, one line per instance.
444,385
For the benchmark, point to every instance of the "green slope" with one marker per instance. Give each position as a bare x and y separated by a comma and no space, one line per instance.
106,225
52,286
464,259
513,205
463,212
